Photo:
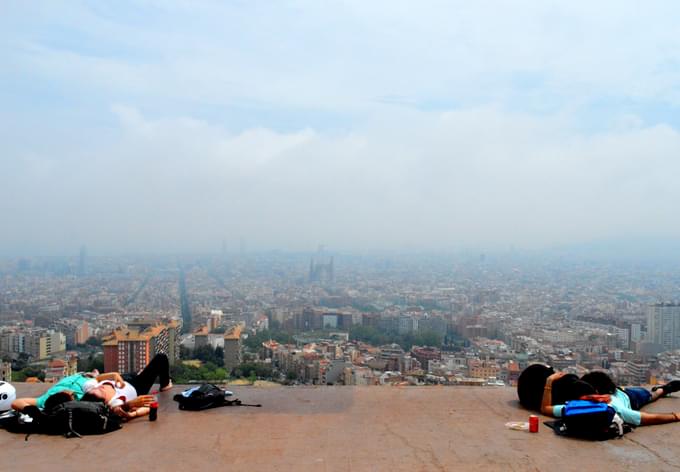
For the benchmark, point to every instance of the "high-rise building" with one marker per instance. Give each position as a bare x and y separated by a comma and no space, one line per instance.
12,341
321,267
128,349
663,325
44,344
232,348
215,319
82,333
635,332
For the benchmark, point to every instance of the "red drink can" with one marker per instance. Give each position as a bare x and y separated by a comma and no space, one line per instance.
153,411
533,424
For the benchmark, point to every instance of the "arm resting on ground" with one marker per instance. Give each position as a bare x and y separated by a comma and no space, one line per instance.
21,403
133,413
658,418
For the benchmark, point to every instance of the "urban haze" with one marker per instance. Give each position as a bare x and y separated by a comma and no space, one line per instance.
340,193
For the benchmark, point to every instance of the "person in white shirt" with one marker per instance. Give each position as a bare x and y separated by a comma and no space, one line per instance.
129,398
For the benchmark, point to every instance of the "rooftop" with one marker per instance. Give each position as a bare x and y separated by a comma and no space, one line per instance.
233,334
346,429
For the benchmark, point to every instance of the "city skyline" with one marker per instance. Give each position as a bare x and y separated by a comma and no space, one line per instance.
366,321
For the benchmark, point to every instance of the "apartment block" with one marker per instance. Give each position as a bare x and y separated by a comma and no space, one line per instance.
128,349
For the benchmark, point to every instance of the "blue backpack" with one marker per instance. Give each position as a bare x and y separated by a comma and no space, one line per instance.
590,420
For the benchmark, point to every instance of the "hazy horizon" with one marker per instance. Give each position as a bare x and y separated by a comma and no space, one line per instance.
655,252
172,126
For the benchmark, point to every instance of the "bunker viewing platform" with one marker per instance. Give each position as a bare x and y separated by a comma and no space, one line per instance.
345,429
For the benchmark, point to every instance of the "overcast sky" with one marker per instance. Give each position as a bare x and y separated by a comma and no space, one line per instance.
172,125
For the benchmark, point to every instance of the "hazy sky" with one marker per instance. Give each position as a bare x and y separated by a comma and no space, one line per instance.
170,125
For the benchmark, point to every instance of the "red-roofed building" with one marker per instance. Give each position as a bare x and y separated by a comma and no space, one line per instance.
130,348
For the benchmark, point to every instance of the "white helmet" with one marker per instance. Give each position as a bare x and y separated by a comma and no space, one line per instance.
7,395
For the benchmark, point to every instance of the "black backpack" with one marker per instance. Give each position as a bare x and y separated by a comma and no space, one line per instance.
74,418
206,396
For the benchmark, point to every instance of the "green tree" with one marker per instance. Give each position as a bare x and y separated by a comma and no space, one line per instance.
186,373
21,361
375,337
253,369
91,362
208,354
369,334
23,374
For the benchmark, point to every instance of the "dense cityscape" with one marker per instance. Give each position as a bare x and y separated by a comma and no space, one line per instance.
339,319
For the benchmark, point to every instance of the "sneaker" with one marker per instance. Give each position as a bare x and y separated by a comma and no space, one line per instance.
670,387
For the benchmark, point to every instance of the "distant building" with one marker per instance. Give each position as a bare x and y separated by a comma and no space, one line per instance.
637,373
635,332
215,319
128,349
6,371
82,333
407,324
425,354
321,272
663,325
57,369
232,348
203,337
14,342
513,370
76,331
333,373
392,355
44,344
482,369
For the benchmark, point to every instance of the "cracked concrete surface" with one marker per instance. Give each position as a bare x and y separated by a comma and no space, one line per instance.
346,429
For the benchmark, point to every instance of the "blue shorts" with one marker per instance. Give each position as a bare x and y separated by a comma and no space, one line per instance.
639,397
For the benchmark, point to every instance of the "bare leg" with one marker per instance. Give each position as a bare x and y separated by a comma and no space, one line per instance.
656,394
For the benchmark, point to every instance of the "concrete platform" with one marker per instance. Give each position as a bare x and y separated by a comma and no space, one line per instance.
345,429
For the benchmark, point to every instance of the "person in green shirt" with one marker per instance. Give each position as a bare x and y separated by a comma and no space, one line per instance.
77,385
